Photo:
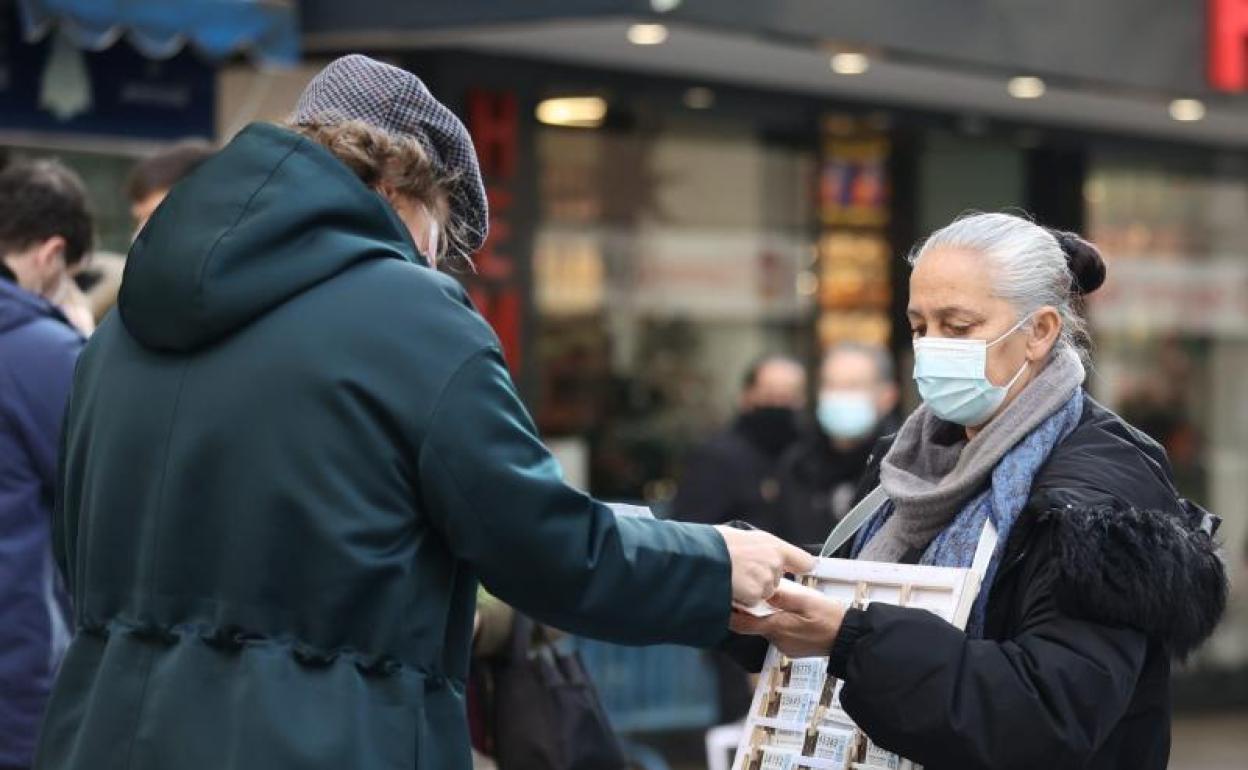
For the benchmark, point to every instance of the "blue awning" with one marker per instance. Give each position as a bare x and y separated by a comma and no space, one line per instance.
266,29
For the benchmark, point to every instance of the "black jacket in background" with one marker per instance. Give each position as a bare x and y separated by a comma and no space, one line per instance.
1107,576
818,483
732,477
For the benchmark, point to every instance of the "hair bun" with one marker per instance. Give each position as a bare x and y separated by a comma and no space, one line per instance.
1085,261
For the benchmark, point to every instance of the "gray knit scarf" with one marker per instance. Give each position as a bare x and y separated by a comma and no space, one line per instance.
932,470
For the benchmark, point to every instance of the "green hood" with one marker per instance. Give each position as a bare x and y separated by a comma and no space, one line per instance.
268,217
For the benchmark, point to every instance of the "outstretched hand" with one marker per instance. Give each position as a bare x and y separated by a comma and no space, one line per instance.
759,560
805,627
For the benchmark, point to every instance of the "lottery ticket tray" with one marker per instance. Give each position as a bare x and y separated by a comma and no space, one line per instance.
795,719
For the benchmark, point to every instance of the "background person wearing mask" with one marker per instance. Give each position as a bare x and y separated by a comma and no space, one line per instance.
45,229
735,475
294,451
819,476
1102,574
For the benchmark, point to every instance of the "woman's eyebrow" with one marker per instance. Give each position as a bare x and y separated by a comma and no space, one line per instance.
950,311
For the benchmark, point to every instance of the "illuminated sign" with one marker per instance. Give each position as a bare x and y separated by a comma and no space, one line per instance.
497,289
1228,44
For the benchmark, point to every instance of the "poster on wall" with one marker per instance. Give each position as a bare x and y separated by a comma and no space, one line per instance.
855,284
853,178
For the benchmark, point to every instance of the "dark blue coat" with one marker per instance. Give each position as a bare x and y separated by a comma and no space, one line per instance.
38,349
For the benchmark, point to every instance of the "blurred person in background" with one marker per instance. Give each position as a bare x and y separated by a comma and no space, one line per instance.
735,475
154,176
856,407
282,572
149,182
45,230
1102,574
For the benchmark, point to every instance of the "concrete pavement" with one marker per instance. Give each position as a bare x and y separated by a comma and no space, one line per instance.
1210,742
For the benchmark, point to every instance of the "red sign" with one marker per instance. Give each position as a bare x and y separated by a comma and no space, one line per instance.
493,121
1228,44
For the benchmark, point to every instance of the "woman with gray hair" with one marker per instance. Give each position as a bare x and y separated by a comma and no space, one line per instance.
1101,574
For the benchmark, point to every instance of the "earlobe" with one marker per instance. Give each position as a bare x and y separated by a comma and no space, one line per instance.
1044,334
48,252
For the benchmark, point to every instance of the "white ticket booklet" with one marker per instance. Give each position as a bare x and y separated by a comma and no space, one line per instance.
796,720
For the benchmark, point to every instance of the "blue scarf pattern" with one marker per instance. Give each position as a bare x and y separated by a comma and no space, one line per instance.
1003,500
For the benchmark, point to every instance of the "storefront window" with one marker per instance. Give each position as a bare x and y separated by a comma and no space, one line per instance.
105,176
1171,333
665,260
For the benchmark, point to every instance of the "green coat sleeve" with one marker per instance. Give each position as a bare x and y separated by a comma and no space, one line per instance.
498,497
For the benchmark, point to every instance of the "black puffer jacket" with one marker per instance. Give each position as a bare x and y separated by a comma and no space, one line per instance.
1107,576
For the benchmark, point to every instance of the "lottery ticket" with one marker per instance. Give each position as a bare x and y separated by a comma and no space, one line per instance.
834,743
775,760
878,757
796,706
789,740
808,673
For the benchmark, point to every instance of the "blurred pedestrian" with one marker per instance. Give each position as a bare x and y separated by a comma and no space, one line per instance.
295,448
735,474
819,476
152,178
45,229
1102,574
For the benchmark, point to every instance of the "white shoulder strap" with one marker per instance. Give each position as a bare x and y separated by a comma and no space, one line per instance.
847,527
987,546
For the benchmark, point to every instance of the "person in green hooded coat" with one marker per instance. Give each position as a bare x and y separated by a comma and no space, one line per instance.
295,450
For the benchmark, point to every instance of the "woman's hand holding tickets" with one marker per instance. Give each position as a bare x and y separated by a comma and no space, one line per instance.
805,626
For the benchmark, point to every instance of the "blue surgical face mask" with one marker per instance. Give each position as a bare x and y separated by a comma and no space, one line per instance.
846,414
952,376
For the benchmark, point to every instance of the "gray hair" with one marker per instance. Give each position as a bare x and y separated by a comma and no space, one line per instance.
1030,267
885,372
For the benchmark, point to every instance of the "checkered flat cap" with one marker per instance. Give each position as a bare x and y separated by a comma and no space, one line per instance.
394,100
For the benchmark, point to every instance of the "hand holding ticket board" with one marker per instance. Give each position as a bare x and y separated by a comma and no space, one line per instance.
799,620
